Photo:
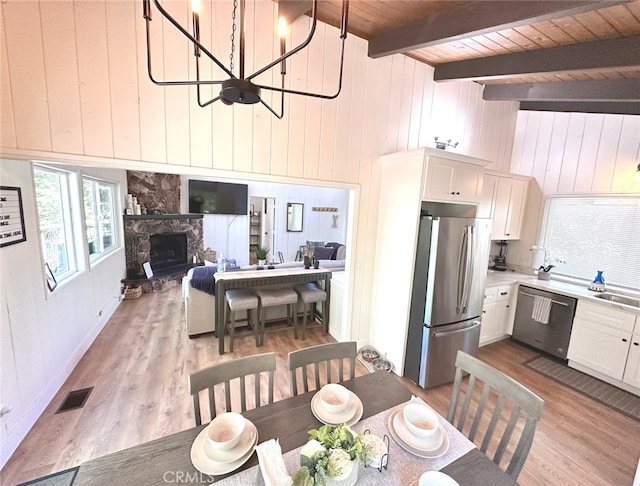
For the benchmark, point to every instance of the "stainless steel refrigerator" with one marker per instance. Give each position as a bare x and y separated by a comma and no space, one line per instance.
447,298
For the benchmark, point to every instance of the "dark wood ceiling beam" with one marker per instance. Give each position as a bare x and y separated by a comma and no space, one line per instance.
617,108
472,19
619,54
588,90
292,9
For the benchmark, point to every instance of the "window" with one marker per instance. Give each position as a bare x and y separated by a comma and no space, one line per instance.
53,200
594,233
99,216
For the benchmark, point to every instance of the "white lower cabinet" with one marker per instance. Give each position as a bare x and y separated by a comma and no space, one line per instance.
494,314
601,340
632,370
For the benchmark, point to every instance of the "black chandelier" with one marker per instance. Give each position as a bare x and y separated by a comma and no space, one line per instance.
240,88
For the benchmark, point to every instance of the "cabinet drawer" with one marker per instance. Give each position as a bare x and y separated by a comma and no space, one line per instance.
504,293
605,315
490,295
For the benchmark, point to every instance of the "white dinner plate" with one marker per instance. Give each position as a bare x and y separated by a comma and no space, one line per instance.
247,441
205,465
436,478
427,454
350,416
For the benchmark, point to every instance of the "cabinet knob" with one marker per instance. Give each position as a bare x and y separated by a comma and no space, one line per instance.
507,234
636,344
504,293
624,340
457,193
507,306
484,312
453,193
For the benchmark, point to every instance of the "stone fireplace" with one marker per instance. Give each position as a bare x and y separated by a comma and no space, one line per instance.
141,232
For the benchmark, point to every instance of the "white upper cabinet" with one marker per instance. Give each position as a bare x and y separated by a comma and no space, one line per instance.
453,181
503,198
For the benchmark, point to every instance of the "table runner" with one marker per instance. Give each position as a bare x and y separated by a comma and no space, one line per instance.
403,468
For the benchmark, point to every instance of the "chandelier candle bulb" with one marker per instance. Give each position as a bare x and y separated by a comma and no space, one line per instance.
282,31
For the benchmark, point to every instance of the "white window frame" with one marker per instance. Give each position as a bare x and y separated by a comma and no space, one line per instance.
101,250
555,255
68,183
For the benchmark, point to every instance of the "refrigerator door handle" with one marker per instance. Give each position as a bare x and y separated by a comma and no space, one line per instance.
457,331
465,267
468,273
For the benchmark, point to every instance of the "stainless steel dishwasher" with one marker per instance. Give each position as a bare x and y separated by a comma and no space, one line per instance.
530,327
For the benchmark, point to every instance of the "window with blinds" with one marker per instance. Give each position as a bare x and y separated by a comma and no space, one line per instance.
594,233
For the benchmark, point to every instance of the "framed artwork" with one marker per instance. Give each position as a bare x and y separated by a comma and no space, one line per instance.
11,216
51,279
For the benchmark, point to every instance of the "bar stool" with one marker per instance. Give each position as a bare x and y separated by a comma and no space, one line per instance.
309,293
271,298
239,300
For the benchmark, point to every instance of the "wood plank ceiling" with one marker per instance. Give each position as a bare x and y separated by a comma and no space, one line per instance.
550,55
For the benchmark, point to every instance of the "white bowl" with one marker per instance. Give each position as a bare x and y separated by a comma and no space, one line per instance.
420,420
334,398
224,431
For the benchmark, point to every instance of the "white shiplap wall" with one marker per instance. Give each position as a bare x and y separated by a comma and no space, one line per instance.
74,88
571,153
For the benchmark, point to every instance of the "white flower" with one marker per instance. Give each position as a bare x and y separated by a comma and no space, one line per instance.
340,460
310,448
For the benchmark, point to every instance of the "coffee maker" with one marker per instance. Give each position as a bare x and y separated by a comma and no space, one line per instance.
500,261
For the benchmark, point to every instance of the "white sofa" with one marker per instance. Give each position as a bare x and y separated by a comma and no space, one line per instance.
199,306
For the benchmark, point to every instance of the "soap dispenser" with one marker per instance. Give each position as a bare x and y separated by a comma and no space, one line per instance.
598,282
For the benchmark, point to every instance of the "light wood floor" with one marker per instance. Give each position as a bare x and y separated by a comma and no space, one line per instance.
139,363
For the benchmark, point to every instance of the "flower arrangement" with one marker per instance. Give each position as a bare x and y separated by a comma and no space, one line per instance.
548,258
330,455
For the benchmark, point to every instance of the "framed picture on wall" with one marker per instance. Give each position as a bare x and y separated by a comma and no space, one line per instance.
51,279
11,216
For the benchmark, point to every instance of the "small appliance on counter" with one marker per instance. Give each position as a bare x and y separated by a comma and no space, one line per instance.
500,261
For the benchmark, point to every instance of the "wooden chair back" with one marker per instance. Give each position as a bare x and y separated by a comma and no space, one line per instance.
316,356
223,373
507,393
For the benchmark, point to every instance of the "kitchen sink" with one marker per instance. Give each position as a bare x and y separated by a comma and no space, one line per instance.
620,299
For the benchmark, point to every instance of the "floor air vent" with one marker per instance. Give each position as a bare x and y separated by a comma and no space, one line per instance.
75,399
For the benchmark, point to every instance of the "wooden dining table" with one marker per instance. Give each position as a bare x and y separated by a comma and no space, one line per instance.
167,460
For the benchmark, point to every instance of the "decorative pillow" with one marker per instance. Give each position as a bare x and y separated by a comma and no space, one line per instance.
322,252
314,244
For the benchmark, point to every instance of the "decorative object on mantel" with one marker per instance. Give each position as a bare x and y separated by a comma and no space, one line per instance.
238,87
598,283
11,216
443,145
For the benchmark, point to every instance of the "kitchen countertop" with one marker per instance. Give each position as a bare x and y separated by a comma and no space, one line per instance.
508,277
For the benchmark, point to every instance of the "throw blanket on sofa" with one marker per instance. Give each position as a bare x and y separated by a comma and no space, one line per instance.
202,279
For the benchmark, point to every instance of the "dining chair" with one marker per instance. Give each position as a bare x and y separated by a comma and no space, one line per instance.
316,355
508,396
224,373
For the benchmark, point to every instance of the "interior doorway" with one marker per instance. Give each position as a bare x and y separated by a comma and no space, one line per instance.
262,213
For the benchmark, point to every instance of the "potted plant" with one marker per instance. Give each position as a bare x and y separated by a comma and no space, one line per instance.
261,255
331,457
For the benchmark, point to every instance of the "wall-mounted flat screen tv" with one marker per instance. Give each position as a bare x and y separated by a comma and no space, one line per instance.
210,197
